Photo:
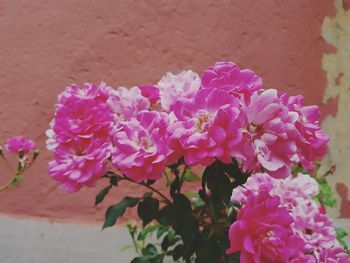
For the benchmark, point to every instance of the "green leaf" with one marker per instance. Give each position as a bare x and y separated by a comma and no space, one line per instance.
140,260
165,244
208,251
113,180
150,182
165,215
182,203
177,252
169,240
299,169
326,194
219,184
148,209
147,194
190,176
115,211
102,194
161,230
143,234
157,258
341,235
150,250
194,198
127,247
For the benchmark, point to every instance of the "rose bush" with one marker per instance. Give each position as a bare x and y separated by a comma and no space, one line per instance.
224,123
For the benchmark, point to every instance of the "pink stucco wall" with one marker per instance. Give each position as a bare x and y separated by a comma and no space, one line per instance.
45,45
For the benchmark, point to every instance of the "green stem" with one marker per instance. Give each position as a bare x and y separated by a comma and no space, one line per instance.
10,182
166,177
135,244
182,177
166,199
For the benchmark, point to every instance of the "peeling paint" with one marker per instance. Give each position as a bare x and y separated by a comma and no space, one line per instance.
336,31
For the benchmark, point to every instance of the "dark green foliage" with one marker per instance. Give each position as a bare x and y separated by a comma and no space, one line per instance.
116,211
113,180
341,235
326,195
101,195
148,209
190,176
191,227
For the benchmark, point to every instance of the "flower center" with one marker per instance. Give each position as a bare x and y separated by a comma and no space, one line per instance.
202,122
254,129
268,235
308,231
145,143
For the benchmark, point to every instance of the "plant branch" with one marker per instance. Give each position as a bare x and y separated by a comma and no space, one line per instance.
166,199
10,182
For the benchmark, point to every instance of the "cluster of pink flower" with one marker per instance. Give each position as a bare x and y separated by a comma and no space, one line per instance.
20,144
280,222
224,113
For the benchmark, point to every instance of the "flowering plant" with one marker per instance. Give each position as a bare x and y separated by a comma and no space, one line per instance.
26,152
226,148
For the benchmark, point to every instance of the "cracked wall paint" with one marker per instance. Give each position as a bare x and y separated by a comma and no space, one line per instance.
336,31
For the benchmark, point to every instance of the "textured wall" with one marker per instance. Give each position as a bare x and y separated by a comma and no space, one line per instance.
45,45
336,31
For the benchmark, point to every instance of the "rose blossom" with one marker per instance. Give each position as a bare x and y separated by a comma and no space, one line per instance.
177,87
312,142
80,136
150,92
269,135
79,163
206,127
262,231
335,254
229,77
141,151
295,193
126,103
19,144
317,230
81,113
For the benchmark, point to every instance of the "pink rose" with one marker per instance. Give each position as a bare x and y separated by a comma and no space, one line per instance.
80,114
127,103
312,142
141,151
20,144
79,163
229,77
296,195
335,254
263,232
177,87
150,92
269,135
206,127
